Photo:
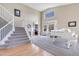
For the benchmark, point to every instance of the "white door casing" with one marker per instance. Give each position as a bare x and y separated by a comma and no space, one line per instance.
54,22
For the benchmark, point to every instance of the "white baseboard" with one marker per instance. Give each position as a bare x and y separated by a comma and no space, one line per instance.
2,42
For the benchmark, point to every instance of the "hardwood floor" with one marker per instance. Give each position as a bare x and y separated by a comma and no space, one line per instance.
24,50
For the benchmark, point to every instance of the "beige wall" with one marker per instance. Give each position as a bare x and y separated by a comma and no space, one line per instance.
28,15
64,14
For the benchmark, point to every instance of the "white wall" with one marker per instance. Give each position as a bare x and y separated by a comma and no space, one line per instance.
28,15
64,14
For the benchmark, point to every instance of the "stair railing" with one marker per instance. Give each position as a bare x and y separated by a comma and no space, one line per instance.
9,18
28,31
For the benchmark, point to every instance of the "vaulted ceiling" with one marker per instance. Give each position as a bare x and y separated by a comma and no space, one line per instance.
43,6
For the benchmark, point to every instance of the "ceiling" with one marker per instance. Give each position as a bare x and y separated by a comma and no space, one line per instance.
43,6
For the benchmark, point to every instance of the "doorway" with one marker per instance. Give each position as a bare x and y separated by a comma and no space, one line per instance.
50,25
36,29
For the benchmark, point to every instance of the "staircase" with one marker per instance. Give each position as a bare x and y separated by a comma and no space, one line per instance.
11,36
18,37
2,22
